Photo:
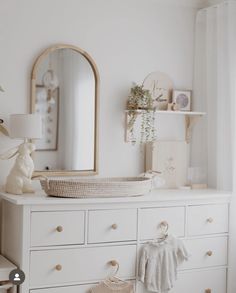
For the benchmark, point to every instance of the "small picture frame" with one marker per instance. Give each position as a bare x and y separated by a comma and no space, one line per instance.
182,98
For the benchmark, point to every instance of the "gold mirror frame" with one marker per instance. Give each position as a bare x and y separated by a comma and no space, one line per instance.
97,87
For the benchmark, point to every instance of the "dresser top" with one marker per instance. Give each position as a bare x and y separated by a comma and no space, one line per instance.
174,195
5,268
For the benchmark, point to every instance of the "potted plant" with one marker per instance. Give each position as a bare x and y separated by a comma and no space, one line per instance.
140,102
139,98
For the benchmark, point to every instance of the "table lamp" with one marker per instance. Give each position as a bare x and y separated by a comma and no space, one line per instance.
27,127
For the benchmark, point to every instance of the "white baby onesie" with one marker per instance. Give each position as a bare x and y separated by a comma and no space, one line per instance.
159,262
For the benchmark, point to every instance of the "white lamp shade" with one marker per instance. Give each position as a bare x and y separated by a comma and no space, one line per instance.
25,126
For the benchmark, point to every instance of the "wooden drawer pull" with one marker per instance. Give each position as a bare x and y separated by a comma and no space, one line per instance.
164,226
114,226
164,223
209,253
58,267
114,263
210,220
59,229
208,291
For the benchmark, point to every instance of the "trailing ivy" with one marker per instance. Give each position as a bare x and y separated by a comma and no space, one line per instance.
141,99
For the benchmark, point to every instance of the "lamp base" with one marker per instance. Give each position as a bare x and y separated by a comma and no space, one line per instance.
16,188
19,179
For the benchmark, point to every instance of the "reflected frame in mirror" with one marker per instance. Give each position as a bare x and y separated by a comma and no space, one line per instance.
53,146
93,65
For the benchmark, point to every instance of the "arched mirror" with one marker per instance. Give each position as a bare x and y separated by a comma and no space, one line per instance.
64,91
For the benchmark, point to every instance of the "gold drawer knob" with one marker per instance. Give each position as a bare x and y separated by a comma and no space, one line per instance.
114,226
208,291
209,253
58,267
113,263
59,229
210,220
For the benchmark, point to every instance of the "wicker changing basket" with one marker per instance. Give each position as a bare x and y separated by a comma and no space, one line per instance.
101,187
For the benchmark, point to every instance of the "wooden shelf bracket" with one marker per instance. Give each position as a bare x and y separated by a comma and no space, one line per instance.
190,122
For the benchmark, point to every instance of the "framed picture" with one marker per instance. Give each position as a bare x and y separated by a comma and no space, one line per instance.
171,159
182,99
47,105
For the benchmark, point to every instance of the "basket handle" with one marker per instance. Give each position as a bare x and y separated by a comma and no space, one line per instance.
37,177
151,173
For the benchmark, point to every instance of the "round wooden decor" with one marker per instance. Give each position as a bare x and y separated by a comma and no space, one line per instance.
161,86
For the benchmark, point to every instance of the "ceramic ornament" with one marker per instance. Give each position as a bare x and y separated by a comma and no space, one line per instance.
19,178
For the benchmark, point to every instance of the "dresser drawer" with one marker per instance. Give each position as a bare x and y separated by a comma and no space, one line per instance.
150,219
57,228
64,266
207,219
70,289
67,289
196,282
112,225
201,282
206,252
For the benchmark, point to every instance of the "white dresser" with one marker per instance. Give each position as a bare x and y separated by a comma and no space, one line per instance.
66,245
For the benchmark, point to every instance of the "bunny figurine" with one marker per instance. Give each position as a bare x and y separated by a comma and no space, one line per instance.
19,178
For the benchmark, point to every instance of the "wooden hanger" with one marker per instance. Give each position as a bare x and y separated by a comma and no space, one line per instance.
164,227
113,278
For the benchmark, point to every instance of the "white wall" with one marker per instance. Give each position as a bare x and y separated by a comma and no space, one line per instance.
127,38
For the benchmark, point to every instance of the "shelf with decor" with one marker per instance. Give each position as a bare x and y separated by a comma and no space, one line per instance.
165,112
191,118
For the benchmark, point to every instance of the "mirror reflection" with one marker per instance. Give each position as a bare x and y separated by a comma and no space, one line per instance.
64,92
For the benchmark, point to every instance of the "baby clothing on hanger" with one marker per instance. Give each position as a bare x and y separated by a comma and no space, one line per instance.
107,286
159,262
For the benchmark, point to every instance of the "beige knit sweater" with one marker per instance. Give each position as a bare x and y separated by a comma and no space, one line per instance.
109,287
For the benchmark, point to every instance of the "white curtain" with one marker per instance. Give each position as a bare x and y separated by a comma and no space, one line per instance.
215,92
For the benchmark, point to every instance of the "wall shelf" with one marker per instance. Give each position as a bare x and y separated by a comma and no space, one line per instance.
191,118
188,113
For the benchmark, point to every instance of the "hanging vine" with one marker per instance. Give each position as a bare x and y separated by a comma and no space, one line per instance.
140,102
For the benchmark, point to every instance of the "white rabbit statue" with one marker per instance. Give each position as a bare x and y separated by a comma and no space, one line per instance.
19,178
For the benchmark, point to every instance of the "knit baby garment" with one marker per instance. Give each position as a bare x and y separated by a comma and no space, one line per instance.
109,287
159,262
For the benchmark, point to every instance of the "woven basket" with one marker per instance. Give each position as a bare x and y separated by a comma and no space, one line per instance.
102,187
